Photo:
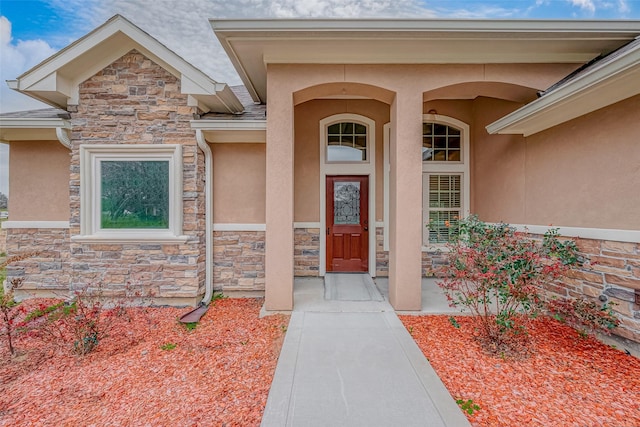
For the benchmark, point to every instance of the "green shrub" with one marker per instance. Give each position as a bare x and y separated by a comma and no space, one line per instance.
497,274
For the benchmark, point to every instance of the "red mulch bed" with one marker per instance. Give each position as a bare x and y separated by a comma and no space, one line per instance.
218,374
566,381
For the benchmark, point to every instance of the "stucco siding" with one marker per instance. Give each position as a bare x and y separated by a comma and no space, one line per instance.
39,181
497,180
586,172
239,183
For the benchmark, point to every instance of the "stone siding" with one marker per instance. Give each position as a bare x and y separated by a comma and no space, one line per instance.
611,270
47,272
306,252
431,260
238,261
3,239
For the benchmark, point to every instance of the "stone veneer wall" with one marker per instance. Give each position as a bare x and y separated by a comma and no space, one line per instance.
131,101
306,252
431,260
3,239
611,270
238,261
49,272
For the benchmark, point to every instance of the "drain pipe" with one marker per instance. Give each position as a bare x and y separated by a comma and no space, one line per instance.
208,216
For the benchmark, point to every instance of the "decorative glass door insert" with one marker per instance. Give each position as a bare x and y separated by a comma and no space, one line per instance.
346,201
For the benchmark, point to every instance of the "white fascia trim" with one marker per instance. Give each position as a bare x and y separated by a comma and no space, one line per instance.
33,123
239,227
306,225
615,235
515,122
35,224
229,124
560,27
130,237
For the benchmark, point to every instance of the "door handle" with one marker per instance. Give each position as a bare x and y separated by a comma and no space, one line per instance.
366,228
327,231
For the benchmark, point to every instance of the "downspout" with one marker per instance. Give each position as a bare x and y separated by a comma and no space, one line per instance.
208,216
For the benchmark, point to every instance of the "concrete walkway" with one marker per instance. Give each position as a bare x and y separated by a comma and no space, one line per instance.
351,362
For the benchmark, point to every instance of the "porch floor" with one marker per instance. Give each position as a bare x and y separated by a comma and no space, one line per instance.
352,363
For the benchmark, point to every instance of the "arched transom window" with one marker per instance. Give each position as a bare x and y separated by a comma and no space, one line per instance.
347,142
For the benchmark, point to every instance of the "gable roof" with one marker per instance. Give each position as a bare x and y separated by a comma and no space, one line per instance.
55,80
250,44
608,79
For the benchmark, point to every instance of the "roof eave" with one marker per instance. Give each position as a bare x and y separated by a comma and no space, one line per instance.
605,85
287,40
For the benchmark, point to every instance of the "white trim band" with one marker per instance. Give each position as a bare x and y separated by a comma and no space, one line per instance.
239,227
35,224
306,225
632,236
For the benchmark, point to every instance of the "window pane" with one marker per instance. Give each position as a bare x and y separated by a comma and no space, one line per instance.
454,142
346,128
446,141
338,153
361,129
346,202
334,129
333,140
444,191
135,194
439,129
440,142
443,226
439,155
454,156
347,142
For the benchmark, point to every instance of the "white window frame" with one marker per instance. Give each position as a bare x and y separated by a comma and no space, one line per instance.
91,157
345,118
447,168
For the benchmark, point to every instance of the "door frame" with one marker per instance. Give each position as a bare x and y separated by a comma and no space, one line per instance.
351,169
364,228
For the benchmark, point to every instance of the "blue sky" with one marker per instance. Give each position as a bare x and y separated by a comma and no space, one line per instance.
32,30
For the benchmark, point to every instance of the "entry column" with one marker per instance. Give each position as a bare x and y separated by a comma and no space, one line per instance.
405,202
279,196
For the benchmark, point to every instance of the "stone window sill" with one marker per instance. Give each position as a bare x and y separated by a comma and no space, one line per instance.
131,238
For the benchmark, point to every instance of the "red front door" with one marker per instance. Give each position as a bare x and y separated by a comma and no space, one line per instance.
348,223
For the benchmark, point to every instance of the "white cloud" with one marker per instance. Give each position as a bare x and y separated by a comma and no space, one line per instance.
623,7
15,58
587,5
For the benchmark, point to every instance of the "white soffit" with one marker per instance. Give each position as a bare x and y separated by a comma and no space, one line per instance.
55,80
604,83
251,44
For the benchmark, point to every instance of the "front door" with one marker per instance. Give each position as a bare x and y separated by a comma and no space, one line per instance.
348,223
